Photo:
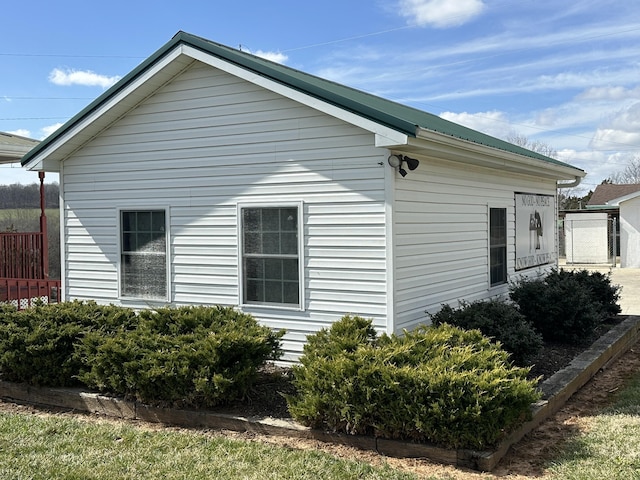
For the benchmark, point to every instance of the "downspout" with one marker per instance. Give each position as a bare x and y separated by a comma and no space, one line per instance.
575,183
560,185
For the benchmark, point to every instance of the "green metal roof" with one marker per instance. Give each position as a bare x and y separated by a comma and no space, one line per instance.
391,114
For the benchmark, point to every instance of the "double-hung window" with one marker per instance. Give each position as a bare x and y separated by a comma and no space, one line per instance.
497,246
143,254
271,257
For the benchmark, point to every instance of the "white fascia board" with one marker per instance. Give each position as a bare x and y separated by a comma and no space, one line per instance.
104,115
384,136
615,202
482,155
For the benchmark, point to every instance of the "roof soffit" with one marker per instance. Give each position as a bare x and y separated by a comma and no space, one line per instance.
443,146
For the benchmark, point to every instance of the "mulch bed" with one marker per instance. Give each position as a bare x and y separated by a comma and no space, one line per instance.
267,397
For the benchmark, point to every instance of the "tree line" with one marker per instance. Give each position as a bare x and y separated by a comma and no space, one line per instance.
28,196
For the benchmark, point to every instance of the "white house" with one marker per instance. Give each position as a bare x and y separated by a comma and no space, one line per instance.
609,224
624,201
211,176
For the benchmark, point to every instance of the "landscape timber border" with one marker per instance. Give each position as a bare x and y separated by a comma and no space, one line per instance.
557,389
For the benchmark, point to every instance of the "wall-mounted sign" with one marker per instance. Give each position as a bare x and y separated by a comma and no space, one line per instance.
535,234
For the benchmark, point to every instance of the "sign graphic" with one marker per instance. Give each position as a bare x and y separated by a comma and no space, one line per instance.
535,235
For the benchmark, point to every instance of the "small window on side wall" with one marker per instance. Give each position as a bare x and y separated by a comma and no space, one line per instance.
143,254
497,246
271,258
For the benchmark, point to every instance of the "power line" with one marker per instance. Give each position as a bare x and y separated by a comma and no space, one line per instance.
65,55
12,119
11,97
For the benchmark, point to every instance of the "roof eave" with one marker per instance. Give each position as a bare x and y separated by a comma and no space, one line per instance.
472,153
104,110
109,106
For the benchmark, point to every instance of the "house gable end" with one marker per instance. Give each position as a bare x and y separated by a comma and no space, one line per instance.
393,123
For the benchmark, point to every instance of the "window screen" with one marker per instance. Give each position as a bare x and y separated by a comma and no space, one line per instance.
497,246
270,259
143,270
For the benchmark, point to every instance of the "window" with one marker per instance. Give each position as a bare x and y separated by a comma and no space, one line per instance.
497,246
270,255
143,254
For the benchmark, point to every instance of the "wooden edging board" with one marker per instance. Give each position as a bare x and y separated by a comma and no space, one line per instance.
556,390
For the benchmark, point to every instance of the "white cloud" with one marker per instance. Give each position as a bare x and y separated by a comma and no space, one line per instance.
50,129
21,132
81,77
492,123
441,13
598,165
273,56
620,132
609,93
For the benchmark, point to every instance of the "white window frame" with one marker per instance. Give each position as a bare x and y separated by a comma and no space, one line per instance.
301,260
506,246
128,298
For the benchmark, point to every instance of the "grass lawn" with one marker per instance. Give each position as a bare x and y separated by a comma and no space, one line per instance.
29,214
35,447
611,448
63,447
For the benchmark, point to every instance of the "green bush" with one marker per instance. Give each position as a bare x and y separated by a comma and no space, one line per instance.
441,384
189,356
559,306
603,293
37,345
498,320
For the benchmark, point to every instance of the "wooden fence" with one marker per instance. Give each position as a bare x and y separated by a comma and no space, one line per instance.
24,293
23,270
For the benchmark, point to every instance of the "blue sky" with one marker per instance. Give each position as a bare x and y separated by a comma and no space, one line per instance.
563,73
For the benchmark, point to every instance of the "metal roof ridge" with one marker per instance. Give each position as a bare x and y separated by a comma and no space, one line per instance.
394,115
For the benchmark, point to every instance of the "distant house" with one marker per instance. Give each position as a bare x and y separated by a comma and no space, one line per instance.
620,206
211,176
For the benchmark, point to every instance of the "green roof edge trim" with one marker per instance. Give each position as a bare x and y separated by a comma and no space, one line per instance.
396,116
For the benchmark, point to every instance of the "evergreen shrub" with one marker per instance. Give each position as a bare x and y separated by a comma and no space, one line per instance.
37,345
560,306
603,292
442,384
499,320
188,356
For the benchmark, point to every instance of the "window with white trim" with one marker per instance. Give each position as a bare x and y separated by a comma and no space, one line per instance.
270,255
497,246
143,254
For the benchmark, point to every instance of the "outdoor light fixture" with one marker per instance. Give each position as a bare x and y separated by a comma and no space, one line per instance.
396,161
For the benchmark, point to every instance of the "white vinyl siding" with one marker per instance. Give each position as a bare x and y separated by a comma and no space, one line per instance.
200,146
441,235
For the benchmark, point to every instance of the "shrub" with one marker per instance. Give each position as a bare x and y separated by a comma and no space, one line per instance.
559,306
438,384
37,344
496,319
191,356
603,293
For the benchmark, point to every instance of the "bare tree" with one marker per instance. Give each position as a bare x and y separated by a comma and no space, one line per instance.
572,198
533,145
630,174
